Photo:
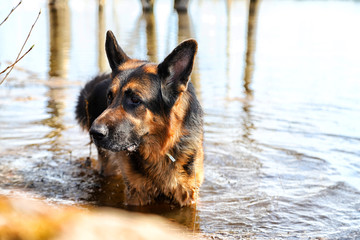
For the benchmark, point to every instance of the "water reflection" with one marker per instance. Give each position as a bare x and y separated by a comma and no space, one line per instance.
60,32
151,38
60,38
249,67
179,5
102,60
185,31
109,192
250,45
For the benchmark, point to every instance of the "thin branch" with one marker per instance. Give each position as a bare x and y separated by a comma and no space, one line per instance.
12,65
11,12
18,56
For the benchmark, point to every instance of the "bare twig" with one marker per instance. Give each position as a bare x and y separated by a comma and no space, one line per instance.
11,12
12,65
18,56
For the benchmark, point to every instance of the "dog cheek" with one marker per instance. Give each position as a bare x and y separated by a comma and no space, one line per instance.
154,123
139,129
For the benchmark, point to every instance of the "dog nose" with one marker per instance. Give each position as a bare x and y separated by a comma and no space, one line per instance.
98,131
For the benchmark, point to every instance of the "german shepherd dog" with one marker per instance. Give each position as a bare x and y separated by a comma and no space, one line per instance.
147,125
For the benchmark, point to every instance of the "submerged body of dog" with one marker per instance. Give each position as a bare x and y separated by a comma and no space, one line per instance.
147,125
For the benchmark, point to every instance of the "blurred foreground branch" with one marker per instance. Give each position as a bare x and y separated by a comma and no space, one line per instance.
19,56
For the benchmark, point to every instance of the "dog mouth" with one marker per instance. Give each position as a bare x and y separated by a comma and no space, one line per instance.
127,148
115,138
131,148
115,147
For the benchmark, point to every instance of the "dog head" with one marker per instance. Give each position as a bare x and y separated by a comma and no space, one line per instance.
144,102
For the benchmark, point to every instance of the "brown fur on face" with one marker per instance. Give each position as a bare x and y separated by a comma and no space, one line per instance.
151,117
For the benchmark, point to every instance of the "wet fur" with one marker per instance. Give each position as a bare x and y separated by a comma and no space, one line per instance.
134,140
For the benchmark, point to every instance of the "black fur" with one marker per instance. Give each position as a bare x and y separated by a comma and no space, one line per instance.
114,52
189,166
94,93
175,70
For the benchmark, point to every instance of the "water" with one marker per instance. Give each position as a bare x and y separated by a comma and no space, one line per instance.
280,90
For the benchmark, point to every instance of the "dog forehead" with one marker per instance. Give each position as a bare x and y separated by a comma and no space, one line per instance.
150,68
137,70
141,79
122,77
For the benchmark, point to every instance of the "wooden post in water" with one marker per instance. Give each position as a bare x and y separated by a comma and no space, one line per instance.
147,5
59,58
185,31
184,26
250,45
58,2
151,38
102,60
60,31
179,5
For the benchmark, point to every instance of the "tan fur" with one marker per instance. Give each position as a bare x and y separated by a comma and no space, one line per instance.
130,64
150,68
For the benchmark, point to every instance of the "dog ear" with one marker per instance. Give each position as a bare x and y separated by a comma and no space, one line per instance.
116,56
175,70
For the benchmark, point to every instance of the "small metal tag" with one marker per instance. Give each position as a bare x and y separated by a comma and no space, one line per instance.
171,157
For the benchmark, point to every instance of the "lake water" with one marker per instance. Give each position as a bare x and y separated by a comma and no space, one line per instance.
280,88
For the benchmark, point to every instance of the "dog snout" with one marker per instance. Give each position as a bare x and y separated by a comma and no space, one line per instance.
98,131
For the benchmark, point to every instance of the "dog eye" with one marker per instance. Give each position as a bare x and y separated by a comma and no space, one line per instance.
110,97
135,100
